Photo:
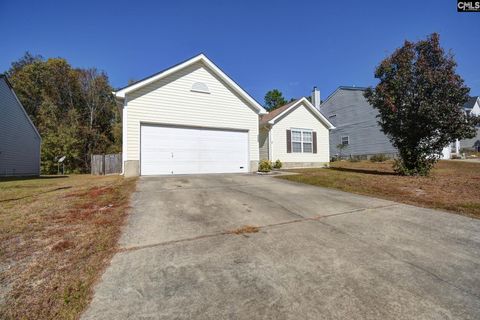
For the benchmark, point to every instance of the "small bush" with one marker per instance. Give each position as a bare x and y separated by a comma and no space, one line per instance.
422,168
265,166
277,164
379,158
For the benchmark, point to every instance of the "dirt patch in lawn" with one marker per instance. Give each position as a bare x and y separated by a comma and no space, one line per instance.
57,236
452,185
244,229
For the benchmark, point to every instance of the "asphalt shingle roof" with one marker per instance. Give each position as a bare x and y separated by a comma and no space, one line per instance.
269,116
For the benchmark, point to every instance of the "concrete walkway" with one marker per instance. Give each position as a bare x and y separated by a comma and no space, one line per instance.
319,254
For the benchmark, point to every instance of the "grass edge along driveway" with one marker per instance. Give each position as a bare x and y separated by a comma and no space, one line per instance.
452,185
57,236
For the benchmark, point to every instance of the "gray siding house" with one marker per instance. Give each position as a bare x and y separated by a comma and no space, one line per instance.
355,124
19,139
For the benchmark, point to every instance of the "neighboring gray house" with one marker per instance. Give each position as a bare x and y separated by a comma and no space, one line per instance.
355,124
19,139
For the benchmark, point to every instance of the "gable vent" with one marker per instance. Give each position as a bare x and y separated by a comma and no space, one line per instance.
200,87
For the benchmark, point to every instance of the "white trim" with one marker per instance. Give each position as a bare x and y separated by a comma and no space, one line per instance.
270,142
312,109
124,134
301,139
477,103
200,58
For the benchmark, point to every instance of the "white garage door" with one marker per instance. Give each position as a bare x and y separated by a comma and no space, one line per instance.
173,150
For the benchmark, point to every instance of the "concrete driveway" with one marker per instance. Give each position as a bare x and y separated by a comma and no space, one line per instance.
319,254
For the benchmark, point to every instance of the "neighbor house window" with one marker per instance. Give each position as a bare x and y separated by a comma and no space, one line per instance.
302,141
345,140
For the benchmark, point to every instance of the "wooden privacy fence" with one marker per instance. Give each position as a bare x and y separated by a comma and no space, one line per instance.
106,163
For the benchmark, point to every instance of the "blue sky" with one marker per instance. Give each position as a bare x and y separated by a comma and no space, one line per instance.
289,45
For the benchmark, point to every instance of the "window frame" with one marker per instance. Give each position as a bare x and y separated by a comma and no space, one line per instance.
301,141
348,140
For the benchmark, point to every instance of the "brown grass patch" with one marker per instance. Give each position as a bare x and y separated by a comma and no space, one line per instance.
53,245
452,185
62,245
244,229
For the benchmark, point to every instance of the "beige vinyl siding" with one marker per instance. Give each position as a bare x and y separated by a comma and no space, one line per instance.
263,142
301,118
171,101
19,142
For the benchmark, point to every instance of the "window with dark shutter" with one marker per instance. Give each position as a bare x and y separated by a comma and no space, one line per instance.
301,140
314,142
289,141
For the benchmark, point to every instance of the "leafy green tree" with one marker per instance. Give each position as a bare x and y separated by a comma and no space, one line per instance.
26,60
419,98
27,77
59,138
99,110
73,109
274,99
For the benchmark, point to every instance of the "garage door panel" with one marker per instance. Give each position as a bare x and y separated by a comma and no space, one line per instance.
167,150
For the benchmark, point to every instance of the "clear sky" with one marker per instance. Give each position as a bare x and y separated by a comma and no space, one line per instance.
289,45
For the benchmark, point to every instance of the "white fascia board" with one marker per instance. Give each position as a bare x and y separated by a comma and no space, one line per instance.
311,107
121,93
201,57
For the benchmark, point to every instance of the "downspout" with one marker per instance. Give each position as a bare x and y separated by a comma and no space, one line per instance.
269,143
124,135
269,127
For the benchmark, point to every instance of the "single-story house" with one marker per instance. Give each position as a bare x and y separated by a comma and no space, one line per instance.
190,118
19,139
297,134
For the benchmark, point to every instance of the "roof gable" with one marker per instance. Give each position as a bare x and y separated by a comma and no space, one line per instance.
121,93
470,103
279,113
272,114
344,88
5,79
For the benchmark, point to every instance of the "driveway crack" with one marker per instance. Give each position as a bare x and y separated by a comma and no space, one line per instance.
268,200
228,232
